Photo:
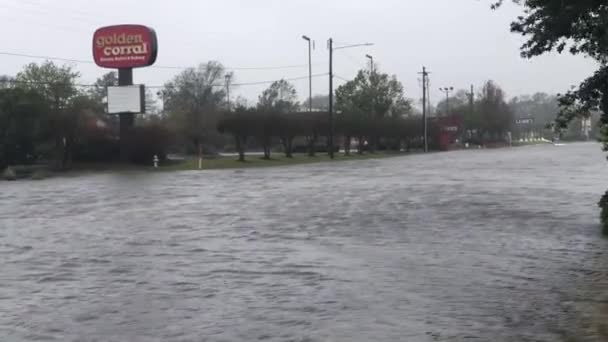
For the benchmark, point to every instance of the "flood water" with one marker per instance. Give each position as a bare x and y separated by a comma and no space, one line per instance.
491,245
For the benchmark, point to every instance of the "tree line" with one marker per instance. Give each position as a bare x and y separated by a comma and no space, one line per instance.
45,115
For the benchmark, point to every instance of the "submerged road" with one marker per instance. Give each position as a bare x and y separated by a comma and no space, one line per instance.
491,245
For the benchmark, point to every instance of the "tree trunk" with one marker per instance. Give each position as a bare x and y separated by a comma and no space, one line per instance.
266,149
240,147
373,144
289,148
200,156
267,153
287,142
347,145
312,141
360,146
67,153
59,153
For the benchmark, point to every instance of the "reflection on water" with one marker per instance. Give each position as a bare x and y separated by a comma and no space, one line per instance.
494,245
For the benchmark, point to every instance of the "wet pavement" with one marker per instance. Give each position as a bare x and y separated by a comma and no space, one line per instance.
489,245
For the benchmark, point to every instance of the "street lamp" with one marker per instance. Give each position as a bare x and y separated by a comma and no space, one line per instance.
309,73
330,45
447,91
371,60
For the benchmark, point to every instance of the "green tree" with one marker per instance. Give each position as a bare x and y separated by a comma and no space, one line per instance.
193,101
239,124
540,107
280,97
579,27
99,91
81,112
6,82
20,125
371,96
320,103
459,102
376,94
57,85
494,113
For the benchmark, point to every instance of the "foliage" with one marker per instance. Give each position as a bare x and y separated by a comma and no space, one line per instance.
238,124
57,85
99,91
540,107
21,113
581,27
369,97
497,118
376,93
266,127
281,97
148,141
459,104
320,103
193,100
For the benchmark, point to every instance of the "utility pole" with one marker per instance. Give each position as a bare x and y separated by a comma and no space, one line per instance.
331,98
428,97
309,73
375,140
424,119
228,77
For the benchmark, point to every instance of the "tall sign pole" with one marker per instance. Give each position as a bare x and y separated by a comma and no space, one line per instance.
126,120
125,47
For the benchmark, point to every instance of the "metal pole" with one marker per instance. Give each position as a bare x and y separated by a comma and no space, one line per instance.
127,120
306,38
331,98
424,120
447,102
309,77
371,60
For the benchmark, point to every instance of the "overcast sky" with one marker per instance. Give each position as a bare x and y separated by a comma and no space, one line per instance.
461,42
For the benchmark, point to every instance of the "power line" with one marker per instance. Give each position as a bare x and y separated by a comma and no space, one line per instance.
285,79
14,54
74,60
341,78
80,85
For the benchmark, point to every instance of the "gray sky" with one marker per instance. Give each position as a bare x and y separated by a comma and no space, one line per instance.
461,42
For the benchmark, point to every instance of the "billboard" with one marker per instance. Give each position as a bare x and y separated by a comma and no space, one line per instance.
125,46
126,99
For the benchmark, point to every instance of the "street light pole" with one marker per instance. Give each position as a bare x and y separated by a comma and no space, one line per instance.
309,73
330,45
371,59
447,91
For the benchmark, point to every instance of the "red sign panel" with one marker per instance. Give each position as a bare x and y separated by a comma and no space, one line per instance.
125,46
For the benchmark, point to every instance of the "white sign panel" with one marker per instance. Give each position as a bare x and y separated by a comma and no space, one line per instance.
126,99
